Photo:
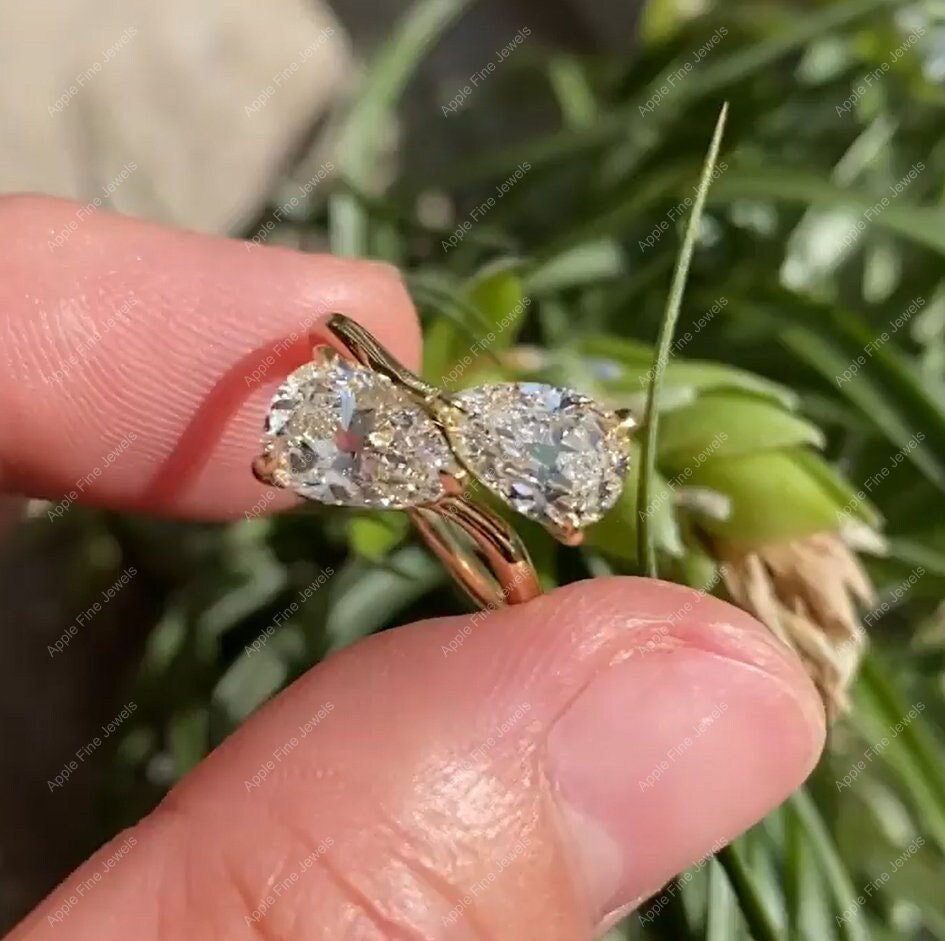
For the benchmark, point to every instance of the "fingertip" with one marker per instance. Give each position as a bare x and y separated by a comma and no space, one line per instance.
147,355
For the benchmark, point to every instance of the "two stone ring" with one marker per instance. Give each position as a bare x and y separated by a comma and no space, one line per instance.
366,432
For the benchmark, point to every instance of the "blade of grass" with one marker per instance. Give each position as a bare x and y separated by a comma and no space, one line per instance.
795,857
818,839
721,920
576,143
360,138
574,92
646,551
917,735
923,225
760,921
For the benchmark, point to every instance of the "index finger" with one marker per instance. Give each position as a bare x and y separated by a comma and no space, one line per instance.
138,360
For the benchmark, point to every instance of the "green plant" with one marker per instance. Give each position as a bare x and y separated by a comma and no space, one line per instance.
800,406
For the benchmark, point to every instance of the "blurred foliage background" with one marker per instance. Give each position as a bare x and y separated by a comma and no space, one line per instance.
824,232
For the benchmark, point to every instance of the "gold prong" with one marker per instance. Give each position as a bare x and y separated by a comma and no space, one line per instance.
567,535
440,408
369,352
454,483
627,420
325,355
263,467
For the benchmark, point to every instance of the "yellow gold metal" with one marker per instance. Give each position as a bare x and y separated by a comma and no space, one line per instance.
479,549
367,351
627,419
566,536
263,466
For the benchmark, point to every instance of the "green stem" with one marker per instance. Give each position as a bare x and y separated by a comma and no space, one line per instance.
646,550
759,920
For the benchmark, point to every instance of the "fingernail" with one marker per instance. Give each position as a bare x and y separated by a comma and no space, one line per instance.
665,757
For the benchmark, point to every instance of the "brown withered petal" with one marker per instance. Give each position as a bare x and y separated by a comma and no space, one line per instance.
807,591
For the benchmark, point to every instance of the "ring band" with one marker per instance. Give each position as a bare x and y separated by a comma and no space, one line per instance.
492,566
361,430
498,571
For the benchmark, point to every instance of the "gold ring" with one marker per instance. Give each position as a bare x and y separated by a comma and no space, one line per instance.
363,431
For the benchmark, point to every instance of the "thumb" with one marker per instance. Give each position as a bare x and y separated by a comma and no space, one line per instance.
528,773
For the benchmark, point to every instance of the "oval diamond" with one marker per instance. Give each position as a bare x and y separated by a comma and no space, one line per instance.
345,435
552,454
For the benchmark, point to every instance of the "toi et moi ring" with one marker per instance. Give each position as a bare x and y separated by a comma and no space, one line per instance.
366,432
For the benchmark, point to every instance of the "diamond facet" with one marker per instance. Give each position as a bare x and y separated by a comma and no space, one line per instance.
342,434
552,454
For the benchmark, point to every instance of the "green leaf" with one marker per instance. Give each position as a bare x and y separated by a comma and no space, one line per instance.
645,542
587,263
496,309
363,598
923,225
905,413
725,424
772,497
727,72
574,92
616,533
359,141
374,537
627,365
722,915
762,923
886,387
850,501
818,840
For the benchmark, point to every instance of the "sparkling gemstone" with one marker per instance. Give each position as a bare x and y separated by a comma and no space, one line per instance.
552,454
345,435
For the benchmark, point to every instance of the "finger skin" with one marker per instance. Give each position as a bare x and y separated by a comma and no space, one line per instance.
433,794
138,361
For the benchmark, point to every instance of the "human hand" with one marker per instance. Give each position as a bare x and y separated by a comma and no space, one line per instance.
556,764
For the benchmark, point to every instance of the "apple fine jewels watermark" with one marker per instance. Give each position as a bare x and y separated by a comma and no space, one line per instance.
83,483
82,888
875,884
484,342
879,341
286,74
83,213
895,596
677,884
279,349
86,347
882,204
675,78
478,888
86,751
288,747
874,481
460,637
677,212
879,746
291,608
83,618
871,78
86,75
480,75
289,205
280,887
485,207
681,747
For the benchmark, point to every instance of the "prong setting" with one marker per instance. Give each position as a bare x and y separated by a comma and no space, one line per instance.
369,433
627,420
